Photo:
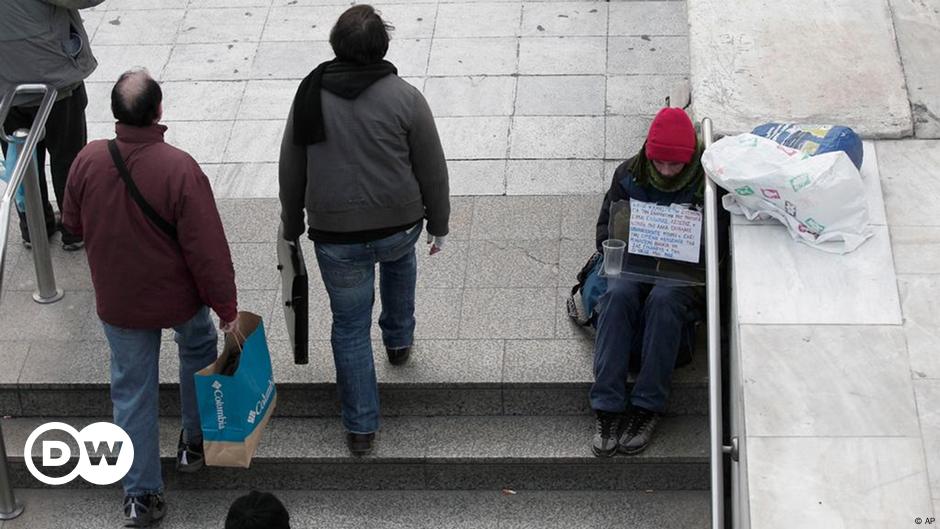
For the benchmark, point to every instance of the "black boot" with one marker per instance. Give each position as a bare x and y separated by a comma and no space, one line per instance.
51,226
398,356
360,444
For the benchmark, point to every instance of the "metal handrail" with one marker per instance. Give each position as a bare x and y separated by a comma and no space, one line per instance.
45,279
712,288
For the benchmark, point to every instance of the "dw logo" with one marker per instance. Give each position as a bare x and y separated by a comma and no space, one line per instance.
105,453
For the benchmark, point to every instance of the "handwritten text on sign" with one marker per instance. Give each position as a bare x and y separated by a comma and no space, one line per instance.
669,232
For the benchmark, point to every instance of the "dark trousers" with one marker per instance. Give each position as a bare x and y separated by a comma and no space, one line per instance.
660,313
66,134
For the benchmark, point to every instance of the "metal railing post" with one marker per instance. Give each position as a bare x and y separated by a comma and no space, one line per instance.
716,448
46,291
9,509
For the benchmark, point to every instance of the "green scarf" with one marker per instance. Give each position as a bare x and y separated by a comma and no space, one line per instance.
669,185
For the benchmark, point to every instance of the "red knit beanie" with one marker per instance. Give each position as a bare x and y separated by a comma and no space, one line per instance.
671,137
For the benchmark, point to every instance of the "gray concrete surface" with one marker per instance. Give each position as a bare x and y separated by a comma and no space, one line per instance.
388,510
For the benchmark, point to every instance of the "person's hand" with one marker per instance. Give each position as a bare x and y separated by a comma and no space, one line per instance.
436,242
228,326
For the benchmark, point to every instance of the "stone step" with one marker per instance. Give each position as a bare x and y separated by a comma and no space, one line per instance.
458,377
420,509
417,453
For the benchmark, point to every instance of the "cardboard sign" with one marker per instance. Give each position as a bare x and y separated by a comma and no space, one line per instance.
667,232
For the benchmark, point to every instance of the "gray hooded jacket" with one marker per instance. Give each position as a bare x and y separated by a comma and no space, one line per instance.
382,165
44,41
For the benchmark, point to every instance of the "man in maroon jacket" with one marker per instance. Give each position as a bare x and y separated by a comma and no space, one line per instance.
148,278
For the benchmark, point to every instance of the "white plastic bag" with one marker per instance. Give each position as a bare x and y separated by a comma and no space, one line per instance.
820,199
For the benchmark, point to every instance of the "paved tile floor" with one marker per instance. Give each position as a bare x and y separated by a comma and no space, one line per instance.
493,283
531,97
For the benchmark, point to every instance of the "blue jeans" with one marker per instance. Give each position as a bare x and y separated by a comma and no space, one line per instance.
135,385
348,272
658,312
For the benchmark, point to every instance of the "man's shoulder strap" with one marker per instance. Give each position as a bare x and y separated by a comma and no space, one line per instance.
151,214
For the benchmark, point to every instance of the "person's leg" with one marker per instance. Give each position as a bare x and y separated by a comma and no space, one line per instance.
197,342
135,356
66,135
22,118
619,310
398,273
348,272
666,313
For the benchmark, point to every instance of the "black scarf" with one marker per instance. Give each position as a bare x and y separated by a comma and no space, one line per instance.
345,79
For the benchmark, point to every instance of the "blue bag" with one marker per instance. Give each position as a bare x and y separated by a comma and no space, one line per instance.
584,295
814,139
236,395
9,163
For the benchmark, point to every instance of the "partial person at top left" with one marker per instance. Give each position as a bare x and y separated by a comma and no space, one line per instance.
44,41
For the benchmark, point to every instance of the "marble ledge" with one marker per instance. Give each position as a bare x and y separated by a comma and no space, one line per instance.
827,380
777,280
826,482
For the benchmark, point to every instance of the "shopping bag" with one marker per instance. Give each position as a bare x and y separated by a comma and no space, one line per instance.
237,395
9,164
820,199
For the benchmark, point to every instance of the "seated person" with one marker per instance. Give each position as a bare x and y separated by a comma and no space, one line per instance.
257,510
667,170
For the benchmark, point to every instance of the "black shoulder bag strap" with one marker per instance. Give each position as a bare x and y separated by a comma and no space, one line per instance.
165,226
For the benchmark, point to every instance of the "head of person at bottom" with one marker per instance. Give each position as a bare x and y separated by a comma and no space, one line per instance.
671,142
136,99
360,35
257,510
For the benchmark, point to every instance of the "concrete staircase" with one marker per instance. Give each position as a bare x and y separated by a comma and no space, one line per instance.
491,432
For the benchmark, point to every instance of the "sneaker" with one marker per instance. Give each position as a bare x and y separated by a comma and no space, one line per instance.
73,246
189,457
142,511
638,430
398,355
360,444
606,428
70,242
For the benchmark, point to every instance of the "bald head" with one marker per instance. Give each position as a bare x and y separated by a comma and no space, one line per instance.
136,99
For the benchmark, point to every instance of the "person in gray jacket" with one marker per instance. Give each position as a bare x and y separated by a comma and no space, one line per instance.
362,155
44,41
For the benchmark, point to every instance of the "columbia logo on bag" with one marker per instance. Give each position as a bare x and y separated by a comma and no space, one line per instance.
259,407
219,404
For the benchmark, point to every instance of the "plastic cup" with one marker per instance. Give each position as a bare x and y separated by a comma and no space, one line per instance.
613,256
